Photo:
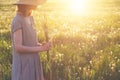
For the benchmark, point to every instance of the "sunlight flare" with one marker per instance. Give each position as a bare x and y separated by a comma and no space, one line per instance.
78,6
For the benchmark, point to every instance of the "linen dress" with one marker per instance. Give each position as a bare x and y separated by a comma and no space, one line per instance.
26,66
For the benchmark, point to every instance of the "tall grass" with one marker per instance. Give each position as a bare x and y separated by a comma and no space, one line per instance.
85,47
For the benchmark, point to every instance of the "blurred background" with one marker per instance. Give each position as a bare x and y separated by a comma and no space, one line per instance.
85,36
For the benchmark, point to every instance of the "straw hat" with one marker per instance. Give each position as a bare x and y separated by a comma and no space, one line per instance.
30,2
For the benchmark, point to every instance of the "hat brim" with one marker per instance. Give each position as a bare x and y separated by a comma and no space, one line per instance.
26,4
30,3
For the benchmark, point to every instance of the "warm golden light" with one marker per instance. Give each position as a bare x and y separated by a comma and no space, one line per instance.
78,6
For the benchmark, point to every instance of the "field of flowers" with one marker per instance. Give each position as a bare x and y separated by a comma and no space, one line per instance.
85,47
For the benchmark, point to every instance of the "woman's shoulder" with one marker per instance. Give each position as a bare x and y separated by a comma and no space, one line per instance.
16,23
17,19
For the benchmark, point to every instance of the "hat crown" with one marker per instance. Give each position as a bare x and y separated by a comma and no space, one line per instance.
31,2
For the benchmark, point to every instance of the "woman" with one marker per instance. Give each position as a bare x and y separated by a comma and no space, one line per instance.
26,63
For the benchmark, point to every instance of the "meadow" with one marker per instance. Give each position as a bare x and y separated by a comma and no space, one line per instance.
86,46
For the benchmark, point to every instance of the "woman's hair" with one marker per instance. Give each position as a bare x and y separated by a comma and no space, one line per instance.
24,8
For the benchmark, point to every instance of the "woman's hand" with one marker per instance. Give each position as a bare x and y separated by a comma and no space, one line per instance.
46,46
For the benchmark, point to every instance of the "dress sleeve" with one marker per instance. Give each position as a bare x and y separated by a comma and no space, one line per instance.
16,25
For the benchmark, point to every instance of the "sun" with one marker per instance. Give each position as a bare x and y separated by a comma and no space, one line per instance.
78,6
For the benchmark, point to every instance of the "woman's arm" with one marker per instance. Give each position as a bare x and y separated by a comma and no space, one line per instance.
17,37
